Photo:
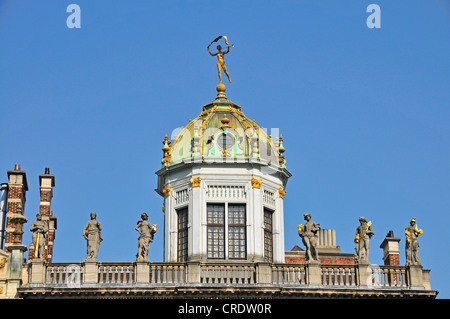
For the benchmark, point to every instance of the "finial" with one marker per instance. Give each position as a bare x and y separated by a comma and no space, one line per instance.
17,167
225,122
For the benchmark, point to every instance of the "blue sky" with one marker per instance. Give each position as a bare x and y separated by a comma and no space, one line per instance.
364,112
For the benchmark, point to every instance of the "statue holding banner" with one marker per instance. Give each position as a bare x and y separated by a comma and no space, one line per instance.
220,57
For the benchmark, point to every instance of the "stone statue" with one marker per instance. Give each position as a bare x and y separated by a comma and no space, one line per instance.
309,234
146,231
412,244
364,233
220,57
39,237
92,233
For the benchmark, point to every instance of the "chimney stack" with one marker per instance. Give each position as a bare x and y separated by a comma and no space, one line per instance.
46,183
391,253
15,217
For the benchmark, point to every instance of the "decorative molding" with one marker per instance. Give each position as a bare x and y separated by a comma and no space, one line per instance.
3,262
167,190
195,181
281,192
256,183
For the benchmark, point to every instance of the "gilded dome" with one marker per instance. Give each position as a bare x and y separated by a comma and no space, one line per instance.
223,133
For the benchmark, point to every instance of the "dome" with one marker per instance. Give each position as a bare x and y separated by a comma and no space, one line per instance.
223,133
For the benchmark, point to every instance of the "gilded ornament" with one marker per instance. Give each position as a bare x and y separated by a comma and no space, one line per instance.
166,191
256,183
195,181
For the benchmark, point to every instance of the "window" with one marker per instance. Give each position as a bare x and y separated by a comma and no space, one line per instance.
225,141
236,232
216,230
268,235
182,234
226,231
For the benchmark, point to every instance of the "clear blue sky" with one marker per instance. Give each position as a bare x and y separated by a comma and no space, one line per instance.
364,112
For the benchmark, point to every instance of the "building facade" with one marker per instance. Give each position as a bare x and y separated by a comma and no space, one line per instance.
223,180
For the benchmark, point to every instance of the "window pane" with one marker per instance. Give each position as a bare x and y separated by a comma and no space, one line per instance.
216,229
268,236
237,243
182,234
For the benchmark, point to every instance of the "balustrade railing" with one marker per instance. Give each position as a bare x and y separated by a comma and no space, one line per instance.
112,273
218,273
167,273
227,274
288,274
64,274
338,275
389,276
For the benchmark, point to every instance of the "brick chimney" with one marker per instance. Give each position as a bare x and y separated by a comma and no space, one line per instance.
391,253
15,218
46,184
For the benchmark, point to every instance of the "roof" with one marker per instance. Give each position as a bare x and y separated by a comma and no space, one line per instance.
222,131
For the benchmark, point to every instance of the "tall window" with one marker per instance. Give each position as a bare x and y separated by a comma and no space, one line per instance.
268,235
182,234
216,230
236,232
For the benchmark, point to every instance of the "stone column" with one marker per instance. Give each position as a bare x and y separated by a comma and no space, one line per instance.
195,212
258,220
278,228
15,266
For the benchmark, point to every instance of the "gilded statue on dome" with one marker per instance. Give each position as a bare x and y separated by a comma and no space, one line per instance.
220,57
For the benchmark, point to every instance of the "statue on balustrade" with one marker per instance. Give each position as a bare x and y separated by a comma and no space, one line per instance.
412,244
146,231
310,235
39,236
92,233
364,233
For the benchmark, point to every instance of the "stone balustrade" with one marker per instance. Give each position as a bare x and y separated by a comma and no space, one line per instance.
148,274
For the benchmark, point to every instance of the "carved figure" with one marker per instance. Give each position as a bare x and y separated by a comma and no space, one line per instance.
146,231
364,233
220,57
309,235
92,233
412,244
39,236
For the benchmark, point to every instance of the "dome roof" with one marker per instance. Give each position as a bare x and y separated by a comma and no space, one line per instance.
223,133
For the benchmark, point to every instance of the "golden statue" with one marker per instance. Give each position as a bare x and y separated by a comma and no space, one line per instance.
220,57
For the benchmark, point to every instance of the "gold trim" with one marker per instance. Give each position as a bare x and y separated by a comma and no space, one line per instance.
195,181
166,191
256,183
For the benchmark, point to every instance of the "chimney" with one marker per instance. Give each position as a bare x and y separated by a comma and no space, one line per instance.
15,217
46,184
391,253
